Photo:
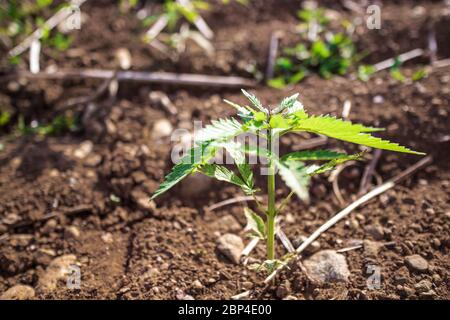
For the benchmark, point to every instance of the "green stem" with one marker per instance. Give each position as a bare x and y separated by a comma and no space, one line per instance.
271,211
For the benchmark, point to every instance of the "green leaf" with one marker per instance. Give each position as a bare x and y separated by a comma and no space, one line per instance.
295,175
222,173
419,75
238,154
333,163
255,224
346,131
313,155
178,173
221,129
278,121
254,100
286,104
244,113
188,164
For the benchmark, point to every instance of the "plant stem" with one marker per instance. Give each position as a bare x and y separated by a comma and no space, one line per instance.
271,211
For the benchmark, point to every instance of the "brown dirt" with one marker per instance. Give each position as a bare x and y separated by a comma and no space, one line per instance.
135,250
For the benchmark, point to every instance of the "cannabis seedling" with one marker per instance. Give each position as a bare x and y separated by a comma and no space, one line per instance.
269,124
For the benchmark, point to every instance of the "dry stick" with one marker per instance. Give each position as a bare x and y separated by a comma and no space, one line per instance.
157,27
342,214
432,45
142,76
368,172
386,64
441,63
230,201
50,24
353,6
285,240
198,20
83,100
248,249
272,56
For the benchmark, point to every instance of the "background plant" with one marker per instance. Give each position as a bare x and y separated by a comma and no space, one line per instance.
318,51
19,19
289,116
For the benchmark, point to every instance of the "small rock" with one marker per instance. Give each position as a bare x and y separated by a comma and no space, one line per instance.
162,128
327,266
84,149
93,160
197,285
283,290
231,246
107,238
195,185
143,200
428,295
371,248
20,240
290,298
423,286
378,99
58,269
72,232
18,292
376,231
416,263
123,57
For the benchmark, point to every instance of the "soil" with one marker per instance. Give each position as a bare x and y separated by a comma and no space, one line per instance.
54,202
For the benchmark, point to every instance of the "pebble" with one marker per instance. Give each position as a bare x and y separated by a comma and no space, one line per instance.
327,266
231,246
58,270
107,238
197,285
283,290
376,231
18,292
371,248
162,128
416,263
20,240
423,286
84,149
378,99
72,232
123,57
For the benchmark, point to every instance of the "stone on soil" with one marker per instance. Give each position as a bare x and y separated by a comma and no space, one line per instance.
58,270
327,266
231,246
416,263
18,292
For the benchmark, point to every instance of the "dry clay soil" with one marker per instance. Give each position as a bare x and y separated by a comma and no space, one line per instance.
84,196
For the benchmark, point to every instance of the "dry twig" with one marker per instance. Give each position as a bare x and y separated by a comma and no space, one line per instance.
342,214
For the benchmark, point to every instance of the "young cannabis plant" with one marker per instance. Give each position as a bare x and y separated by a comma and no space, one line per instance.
270,124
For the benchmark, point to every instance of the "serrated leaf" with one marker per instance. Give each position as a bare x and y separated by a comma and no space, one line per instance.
224,174
313,155
238,153
187,165
333,163
255,223
347,131
295,175
255,102
286,103
222,129
242,112
277,121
